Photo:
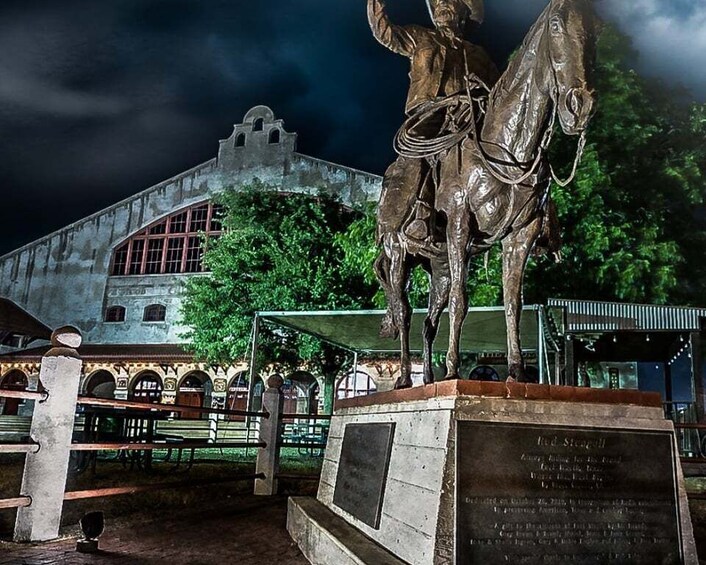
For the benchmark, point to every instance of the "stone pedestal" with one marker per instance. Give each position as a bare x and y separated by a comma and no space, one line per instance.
494,473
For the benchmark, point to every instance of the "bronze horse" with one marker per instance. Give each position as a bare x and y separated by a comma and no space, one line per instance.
494,187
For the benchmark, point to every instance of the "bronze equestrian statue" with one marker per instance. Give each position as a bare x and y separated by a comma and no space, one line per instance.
486,156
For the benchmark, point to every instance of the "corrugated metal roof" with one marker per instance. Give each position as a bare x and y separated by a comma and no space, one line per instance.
589,316
483,331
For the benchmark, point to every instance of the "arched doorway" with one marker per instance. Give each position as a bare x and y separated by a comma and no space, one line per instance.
14,380
238,395
147,387
100,384
355,384
192,392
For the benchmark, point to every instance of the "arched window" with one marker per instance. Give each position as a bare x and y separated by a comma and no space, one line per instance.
484,373
155,313
147,388
257,125
100,384
240,140
274,136
115,314
355,384
172,245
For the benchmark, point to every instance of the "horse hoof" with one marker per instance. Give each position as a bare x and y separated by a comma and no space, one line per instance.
402,384
452,378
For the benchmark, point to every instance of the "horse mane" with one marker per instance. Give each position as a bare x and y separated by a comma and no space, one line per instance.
520,64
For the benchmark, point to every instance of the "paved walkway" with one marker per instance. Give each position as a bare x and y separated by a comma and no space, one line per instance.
246,531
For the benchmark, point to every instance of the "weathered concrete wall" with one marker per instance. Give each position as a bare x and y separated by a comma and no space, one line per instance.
63,278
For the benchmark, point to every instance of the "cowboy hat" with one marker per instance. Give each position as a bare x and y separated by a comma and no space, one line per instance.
475,8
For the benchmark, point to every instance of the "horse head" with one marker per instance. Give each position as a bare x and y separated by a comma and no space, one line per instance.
571,48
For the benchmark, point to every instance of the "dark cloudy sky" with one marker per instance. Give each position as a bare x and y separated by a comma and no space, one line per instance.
100,99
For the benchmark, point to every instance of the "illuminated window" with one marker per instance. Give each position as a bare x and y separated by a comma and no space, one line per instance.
153,265
136,265
172,245
155,313
177,224
175,255
115,314
199,219
147,388
194,263
120,258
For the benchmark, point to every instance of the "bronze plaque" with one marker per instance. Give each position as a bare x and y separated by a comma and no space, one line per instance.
362,471
545,495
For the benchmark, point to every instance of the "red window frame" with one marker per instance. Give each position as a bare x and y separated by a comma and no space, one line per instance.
172,245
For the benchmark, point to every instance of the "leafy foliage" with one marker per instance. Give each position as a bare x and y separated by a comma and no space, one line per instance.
277,253
620,241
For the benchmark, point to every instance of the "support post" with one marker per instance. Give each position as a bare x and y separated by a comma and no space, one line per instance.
570,377
541,346
270,433
44,479
698,363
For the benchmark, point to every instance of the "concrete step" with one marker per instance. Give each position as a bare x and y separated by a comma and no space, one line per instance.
325,538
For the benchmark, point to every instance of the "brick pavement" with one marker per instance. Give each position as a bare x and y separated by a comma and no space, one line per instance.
245,531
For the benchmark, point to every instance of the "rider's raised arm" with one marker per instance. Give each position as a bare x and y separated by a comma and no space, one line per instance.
394,37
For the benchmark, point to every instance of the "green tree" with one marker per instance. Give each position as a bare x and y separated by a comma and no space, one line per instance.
629,223
360,251
277,253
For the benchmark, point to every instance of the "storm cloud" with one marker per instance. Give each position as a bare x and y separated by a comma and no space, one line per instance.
99,100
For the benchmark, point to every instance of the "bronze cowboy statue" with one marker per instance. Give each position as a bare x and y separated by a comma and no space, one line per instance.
441,62
473,168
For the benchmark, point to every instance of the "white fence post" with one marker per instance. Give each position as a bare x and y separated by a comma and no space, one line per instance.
44,479
270,432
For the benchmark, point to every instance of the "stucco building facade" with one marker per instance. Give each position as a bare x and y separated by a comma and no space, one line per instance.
118,275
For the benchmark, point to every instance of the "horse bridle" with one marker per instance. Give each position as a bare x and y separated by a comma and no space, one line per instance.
543,146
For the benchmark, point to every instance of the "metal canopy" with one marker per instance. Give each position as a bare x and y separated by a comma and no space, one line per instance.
14,321
483,331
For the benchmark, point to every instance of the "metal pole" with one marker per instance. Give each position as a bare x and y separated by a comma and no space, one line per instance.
253,362
252,374
541,345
